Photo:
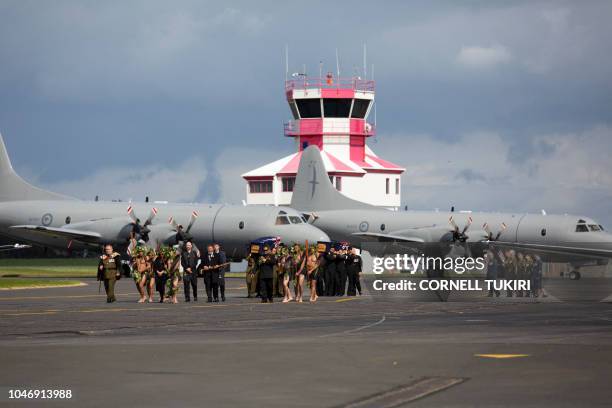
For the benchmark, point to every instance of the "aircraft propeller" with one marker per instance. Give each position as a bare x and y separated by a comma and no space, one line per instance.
185,233
489,236
457,234
142,230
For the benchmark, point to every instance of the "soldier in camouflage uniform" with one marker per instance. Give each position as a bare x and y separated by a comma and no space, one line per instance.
510,268
251,277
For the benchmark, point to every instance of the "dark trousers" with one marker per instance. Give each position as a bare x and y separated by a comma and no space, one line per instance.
190,280
222,288
267,288
358,283
211,280
160,284
321,283
352,286
341,282
330,282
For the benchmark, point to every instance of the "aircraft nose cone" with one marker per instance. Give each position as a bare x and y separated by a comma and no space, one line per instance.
303,233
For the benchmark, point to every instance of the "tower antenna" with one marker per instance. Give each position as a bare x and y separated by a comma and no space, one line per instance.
337,64
365,64
286,62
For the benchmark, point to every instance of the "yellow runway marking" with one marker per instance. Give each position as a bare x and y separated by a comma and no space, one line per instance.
346,299
501,356
29,313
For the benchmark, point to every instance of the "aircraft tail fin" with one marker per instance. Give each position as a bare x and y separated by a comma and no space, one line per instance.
14,188
314,191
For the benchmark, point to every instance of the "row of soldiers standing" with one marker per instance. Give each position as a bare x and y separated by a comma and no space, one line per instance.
513,265
333,272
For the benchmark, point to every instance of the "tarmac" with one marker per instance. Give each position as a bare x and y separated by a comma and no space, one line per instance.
364,351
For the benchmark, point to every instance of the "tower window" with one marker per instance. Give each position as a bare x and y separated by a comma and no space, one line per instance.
260,186
387,185
309,108
339,183
397,185
288,183
360,108
336,108
294,110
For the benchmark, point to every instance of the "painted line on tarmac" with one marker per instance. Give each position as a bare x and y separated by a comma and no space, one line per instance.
501,356
404,394
358,329
346,299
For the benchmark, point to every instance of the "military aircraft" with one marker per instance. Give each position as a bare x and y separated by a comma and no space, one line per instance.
561,238
48,219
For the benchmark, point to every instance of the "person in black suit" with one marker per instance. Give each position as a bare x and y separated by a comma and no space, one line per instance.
353,269
210,270
222,258
330,272
341,259
266,275
189,261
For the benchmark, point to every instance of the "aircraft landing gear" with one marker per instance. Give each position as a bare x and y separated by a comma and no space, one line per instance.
574,275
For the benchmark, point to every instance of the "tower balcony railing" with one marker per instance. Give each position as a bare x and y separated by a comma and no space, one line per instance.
315,127
306,82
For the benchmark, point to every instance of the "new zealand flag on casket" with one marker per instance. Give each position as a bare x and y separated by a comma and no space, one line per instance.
257,246
341,245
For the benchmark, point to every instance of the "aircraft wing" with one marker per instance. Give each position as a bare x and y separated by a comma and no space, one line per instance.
378,237
67,233
560,252
14,247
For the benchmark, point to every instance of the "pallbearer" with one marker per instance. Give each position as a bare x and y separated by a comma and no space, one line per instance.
266,264
330,271
251,276
109,271
354,266
341,260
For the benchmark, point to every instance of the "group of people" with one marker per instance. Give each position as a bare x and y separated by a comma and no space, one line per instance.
282,271
163,270
513,265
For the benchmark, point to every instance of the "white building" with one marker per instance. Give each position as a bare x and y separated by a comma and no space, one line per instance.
331,114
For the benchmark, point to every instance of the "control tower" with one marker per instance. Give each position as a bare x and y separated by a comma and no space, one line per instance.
331,113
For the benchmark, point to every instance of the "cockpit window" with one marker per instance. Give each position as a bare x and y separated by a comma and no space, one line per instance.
594,227
601,227
282,220
295,219
581,228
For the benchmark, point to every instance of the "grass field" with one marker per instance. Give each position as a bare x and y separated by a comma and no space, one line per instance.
18,283
48,268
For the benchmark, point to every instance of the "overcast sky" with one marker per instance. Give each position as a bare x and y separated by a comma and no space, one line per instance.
489,105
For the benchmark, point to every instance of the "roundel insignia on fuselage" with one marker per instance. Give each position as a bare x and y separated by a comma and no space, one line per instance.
363,227
46,219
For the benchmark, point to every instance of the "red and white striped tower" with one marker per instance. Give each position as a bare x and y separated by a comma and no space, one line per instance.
331,113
